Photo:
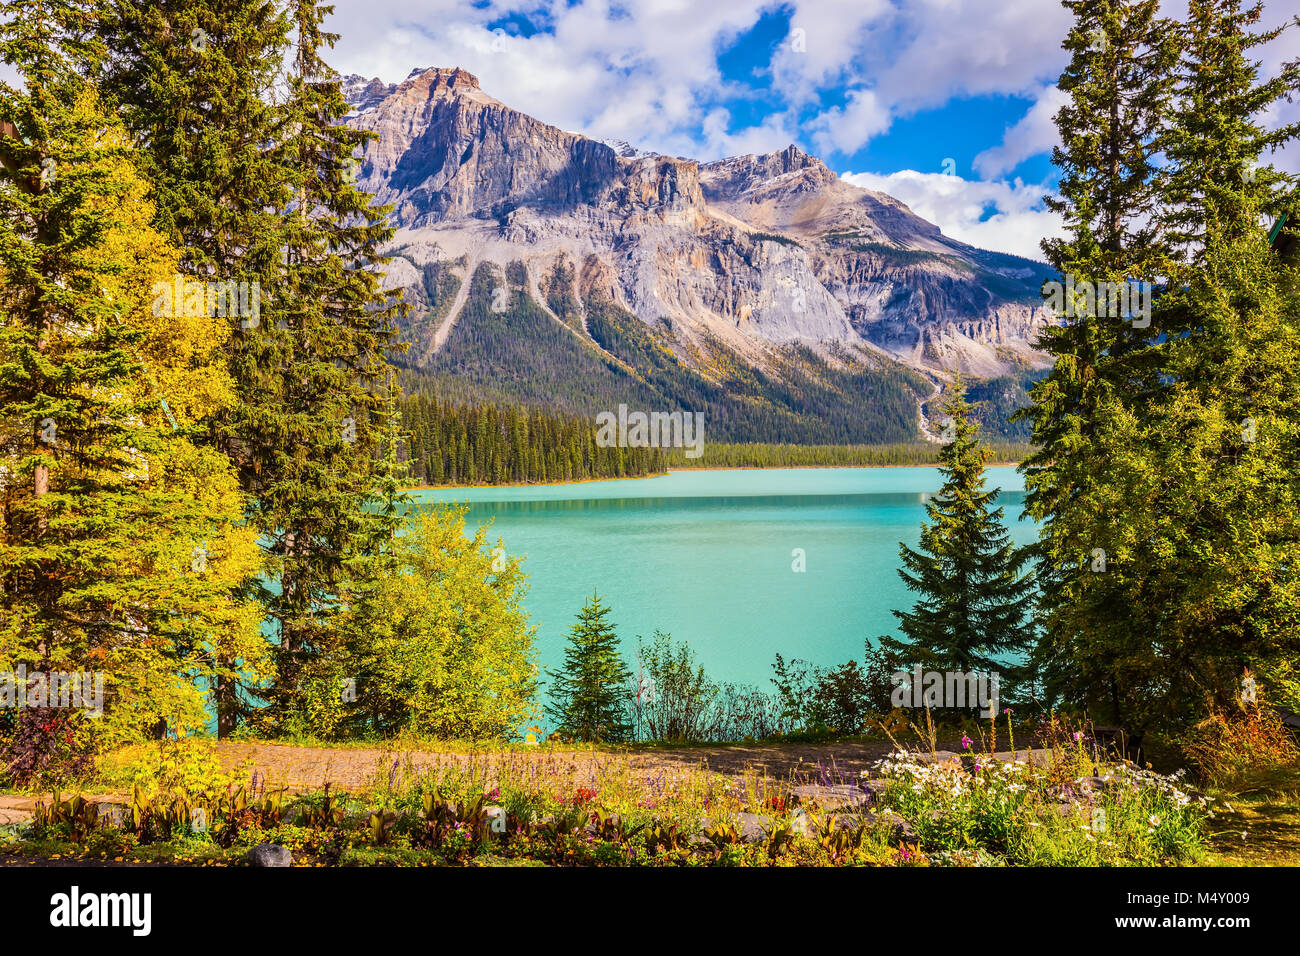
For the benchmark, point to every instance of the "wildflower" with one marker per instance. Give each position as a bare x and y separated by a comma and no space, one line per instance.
1153,820
1077,736
966,742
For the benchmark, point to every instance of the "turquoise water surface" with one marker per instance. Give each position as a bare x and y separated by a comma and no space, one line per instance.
707,557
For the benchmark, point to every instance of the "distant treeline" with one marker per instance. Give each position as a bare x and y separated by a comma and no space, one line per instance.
795,456
451,444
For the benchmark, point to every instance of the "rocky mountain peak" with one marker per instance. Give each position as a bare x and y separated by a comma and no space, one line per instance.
749,252
790,159
790,169
447,150
446,80
427,82
624,148
362,93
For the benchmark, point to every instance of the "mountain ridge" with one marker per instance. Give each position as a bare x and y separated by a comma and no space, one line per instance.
736,260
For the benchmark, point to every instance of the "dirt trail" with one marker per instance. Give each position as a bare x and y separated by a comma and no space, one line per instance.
349,768
303,767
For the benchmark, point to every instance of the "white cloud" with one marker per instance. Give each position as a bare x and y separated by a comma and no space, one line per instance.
647,71
827,46
777,132
949,48
1035,133
957,206
846,130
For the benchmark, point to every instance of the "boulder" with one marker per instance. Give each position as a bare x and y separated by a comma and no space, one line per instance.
269,854
902,829
835,795
753,826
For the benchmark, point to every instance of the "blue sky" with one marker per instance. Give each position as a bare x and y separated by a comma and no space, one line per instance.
945,104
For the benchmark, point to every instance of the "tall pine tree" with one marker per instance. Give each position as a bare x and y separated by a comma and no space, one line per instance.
1219,187
1203,481
1161,482
969,575
315,470
238,115
121,535
1106,367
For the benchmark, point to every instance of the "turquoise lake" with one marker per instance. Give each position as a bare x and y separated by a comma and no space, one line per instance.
707,557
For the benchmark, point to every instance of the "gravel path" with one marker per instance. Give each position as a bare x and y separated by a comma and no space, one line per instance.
350,768
311,767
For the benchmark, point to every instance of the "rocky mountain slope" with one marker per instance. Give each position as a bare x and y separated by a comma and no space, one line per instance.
752,268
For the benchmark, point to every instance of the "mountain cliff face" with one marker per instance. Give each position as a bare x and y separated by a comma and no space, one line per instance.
770,264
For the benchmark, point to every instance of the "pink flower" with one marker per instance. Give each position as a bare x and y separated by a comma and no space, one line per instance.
965,742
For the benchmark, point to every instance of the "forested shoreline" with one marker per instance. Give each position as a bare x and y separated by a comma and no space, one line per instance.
448,444
834,456
455,444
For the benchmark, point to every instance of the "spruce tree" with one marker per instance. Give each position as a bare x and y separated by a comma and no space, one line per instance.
240,116
1106,367
1218,188
121,536
589,693
1202,580
1203,482
343,652
314,476
194,83
969,575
